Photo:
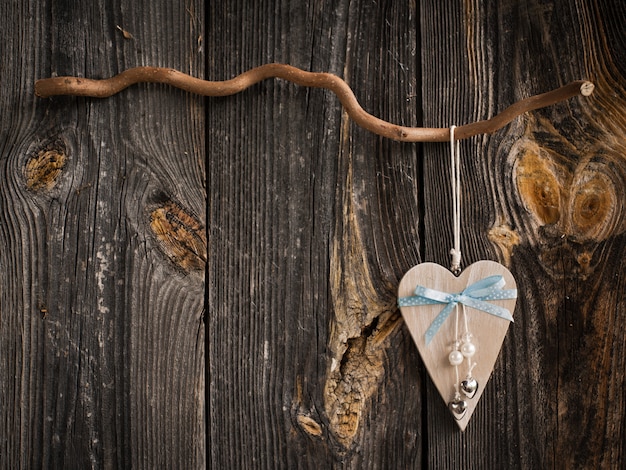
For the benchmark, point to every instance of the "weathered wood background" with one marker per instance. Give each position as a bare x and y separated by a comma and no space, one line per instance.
190,282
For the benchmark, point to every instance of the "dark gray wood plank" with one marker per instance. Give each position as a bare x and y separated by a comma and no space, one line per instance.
376,391
102,214
311,224
546,197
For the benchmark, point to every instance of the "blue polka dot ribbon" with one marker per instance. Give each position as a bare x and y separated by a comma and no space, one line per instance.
476,296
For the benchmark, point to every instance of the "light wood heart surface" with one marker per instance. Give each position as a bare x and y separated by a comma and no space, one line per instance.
488,330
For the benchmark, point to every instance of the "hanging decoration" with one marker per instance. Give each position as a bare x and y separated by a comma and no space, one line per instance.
457,318
458,325
429,294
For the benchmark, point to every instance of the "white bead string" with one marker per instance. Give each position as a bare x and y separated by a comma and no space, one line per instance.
462,348
468,348
455,352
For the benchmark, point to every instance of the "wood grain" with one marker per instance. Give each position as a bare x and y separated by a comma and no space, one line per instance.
102,337
546,197
305,345
310,222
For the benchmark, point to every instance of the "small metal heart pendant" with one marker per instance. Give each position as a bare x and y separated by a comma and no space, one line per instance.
469,387
458,408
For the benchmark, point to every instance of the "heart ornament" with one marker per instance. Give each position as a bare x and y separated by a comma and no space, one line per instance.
441,310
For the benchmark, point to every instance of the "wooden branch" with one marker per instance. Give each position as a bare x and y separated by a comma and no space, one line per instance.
47,87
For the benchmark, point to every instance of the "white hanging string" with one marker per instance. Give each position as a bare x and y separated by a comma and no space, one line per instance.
467,337
457,393
455,179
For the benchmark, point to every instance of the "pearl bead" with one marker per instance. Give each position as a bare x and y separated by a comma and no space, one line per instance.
455,358
468,349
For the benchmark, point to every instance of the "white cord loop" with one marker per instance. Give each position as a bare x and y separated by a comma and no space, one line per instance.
455,179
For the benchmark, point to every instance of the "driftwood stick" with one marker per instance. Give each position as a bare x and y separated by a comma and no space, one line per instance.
47,87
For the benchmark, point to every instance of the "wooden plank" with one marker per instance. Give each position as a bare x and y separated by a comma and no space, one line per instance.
544,196
312,222
373,394
102,215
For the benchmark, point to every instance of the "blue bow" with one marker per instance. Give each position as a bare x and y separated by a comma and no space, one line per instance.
476,296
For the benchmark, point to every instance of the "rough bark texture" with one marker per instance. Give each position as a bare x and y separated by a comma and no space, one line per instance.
122,219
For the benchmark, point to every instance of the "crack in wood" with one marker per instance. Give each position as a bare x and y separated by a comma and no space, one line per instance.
356,375
364,320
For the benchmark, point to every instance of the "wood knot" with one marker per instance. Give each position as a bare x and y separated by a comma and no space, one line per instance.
577,201
575,198
180,235
506,239
538,184
353,379
42,170
309,425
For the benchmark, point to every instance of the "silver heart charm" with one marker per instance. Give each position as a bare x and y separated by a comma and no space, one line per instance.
458,408
469,387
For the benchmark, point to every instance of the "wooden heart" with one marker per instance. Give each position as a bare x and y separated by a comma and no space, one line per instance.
488,329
